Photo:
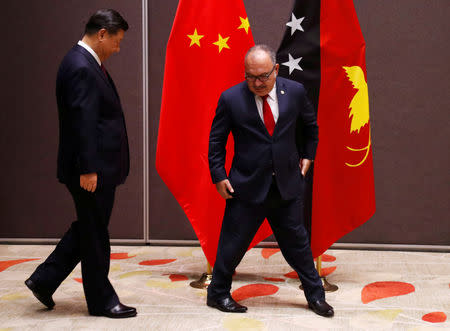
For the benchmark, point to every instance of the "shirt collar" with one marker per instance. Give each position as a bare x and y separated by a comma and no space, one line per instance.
273,92
90,50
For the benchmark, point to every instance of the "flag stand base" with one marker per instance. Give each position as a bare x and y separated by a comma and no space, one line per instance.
203,282
328,287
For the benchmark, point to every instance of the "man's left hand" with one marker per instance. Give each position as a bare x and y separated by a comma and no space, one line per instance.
304,165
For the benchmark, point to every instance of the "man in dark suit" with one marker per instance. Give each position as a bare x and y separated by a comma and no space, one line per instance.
275,138
93,158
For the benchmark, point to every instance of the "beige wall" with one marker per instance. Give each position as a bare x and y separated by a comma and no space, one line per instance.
407,65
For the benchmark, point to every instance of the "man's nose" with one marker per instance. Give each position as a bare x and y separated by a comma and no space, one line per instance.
258,82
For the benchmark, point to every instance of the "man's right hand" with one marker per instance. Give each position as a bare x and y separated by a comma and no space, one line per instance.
89,182
222,187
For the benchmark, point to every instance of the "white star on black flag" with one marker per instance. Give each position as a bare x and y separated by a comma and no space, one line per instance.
292,64
295,24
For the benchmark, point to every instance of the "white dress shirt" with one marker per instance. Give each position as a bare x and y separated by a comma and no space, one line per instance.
90,50
272,100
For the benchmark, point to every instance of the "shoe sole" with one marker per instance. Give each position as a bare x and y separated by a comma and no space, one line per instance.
33,290
225,310
125,315
122,315
321,314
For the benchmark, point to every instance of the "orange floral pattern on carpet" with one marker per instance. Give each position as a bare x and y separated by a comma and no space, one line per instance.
268,252
381,290
121,256
157,262
254,290
177,278
435,317
6,264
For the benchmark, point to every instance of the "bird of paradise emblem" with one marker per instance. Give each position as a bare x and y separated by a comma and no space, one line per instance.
359,109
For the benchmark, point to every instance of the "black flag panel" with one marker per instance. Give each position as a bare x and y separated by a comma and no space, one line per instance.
299,52
299,59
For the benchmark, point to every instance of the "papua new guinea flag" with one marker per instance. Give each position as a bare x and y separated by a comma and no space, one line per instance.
204,57
323,48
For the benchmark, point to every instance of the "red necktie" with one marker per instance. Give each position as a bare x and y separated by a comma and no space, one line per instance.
268,116
104,70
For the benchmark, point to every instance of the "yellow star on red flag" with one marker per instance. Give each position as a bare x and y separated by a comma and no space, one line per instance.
195,38
244,24
198,95
222,43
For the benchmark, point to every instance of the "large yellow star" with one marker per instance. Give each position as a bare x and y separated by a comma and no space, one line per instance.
222,43
195,38
244,24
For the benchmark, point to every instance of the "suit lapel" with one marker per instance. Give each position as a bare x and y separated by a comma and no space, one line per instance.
94,63
251,106
113,85
282,104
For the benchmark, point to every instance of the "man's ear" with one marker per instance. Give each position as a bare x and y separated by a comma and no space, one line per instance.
101,34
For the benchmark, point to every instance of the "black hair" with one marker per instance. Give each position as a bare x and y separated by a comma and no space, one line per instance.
108,19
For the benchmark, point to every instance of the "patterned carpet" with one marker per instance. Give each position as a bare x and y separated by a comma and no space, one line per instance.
377,291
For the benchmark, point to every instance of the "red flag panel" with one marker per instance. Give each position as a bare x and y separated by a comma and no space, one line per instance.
205,56
343,194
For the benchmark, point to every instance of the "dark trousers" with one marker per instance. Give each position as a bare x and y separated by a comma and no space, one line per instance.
240,224
87,240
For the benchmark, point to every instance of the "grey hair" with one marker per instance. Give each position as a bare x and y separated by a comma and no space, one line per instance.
264,48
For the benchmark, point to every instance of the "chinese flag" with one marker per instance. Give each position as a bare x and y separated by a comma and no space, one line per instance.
204,57
324,49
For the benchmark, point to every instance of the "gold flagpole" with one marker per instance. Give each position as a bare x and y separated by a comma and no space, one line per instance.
205,279
319,265
326,285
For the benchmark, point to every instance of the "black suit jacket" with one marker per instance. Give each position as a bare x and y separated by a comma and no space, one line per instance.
92,133
257,155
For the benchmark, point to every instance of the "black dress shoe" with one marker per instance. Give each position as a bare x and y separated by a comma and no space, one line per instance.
41,294
322,308
118,311
227,305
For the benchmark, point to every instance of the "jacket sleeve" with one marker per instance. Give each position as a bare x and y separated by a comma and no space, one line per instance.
83,100
220,130
307,130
